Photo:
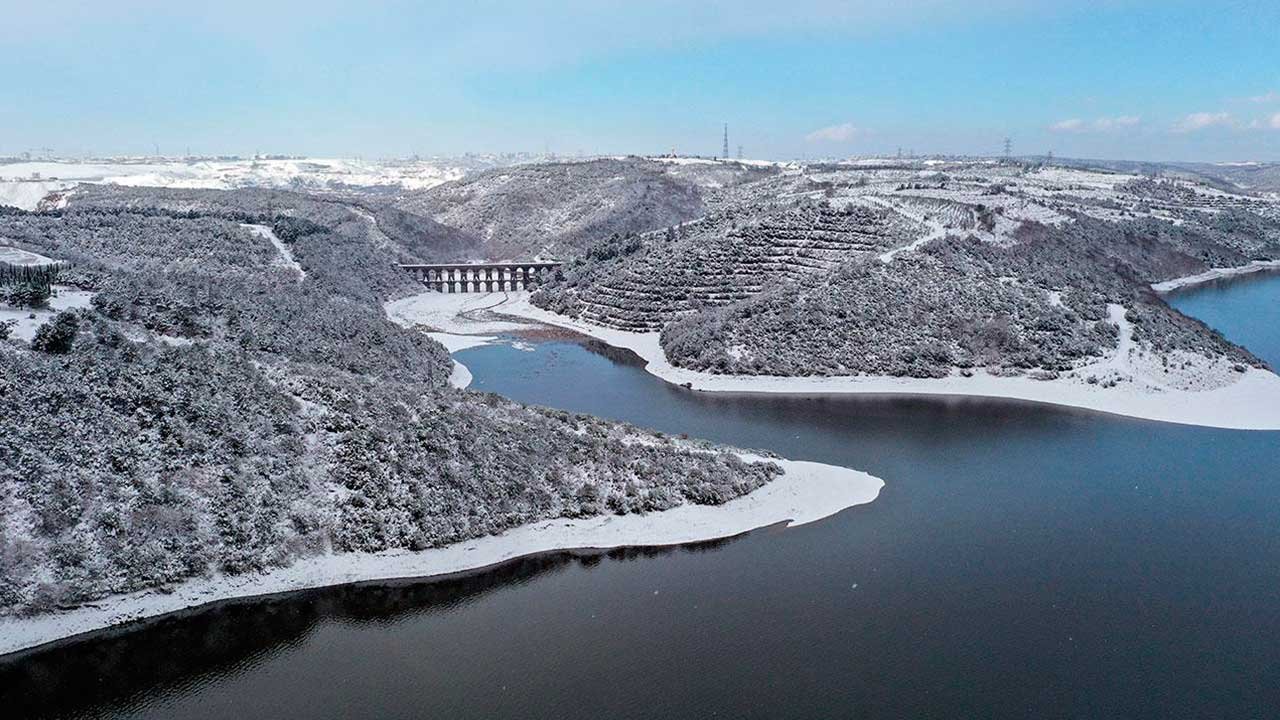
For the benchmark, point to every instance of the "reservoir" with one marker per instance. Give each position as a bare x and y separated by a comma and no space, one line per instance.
1021,561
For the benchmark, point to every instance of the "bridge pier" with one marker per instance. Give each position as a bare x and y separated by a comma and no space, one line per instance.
480,277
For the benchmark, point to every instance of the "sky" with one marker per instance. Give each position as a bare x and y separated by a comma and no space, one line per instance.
1170,80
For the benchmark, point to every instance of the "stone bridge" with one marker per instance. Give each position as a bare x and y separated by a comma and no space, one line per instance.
481,277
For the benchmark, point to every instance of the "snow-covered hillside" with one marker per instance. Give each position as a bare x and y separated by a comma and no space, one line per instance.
921,270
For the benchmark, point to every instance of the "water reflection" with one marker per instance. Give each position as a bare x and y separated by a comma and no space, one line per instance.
123,669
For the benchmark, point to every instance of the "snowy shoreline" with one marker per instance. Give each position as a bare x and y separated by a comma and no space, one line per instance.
806,492
1250,402
1215,274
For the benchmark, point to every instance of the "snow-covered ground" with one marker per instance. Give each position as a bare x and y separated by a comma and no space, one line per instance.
28,320
453,313
935,229
1216,274
286,255
461,376
18,256
459,313
1248,400
28,195
806,492
308,173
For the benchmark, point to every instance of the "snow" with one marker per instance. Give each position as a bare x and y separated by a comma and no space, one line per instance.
453,343
460,377
1215,274
18,256
27,195
1250,402
936,229
685,160
286,255
310,173
459,313
806,492
67,299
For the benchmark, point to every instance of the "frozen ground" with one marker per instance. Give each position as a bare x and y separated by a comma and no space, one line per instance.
805,492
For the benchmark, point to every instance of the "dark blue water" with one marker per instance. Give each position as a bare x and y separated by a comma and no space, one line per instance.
1022,561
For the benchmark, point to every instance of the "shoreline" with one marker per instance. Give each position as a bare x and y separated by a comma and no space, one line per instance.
1215,274
806,492
1251,402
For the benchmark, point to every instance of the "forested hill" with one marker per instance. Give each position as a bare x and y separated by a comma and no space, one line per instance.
910,271
554,210
235,398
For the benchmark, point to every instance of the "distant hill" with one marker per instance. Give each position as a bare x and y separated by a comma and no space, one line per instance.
555,210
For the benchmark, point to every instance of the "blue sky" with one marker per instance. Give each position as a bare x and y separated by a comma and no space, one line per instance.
1138,80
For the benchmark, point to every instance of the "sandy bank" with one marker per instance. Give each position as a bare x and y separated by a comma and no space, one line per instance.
806,492
1244,401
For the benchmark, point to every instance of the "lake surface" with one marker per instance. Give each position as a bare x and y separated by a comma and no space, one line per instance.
1022,561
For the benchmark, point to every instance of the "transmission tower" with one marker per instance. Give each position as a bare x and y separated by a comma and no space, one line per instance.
739,151
725,151
1008,149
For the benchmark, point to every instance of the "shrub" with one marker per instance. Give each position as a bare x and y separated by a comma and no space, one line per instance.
57,336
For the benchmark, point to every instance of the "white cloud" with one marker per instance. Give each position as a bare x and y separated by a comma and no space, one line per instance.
1102,124
1120,121
1271,123
1203,120
1274,122
1266,97
833,133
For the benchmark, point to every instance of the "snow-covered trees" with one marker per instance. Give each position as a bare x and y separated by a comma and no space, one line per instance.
56,336
556,209
214,414
765,287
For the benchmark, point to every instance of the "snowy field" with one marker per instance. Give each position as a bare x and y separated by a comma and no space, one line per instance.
30,195
1204,392
300,174
805,492
457,313
18,256
29,320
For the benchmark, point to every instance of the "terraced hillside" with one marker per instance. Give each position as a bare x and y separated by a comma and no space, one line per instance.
719,261
925,271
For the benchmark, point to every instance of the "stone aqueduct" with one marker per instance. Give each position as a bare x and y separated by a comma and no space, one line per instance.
481,277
